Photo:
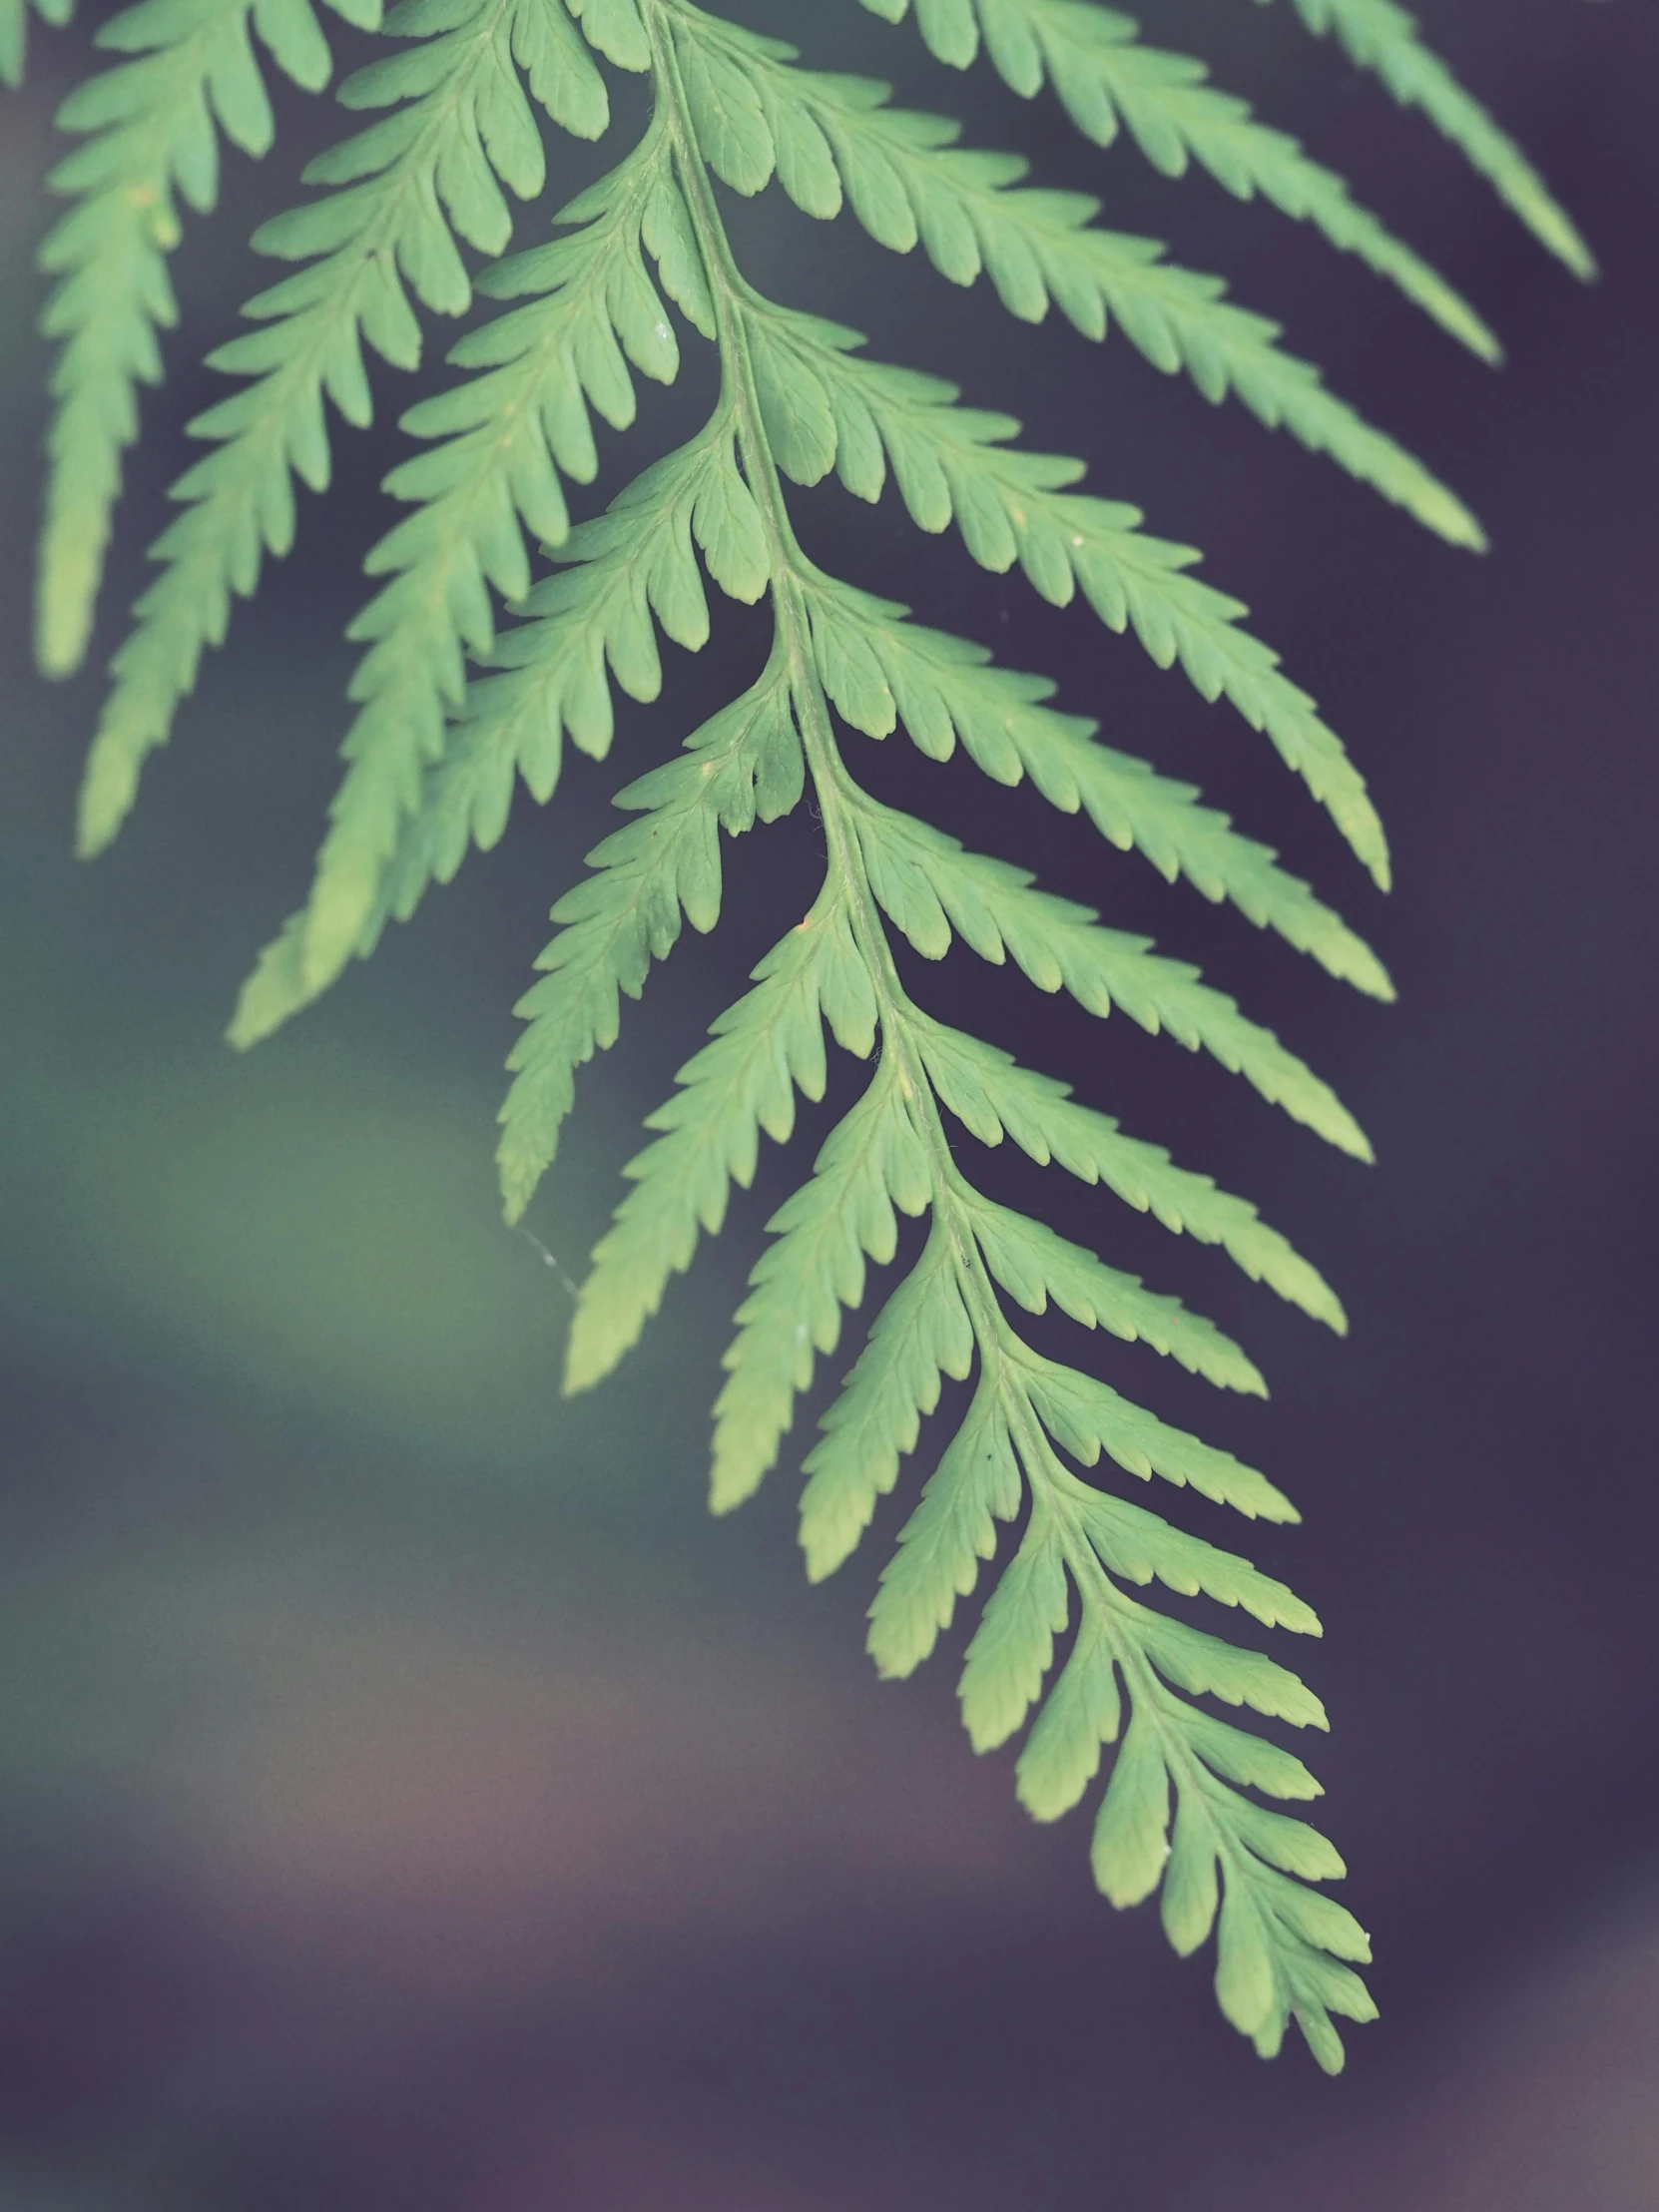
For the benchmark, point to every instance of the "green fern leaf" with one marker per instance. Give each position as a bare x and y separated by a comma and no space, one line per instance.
1081,1714
404,190
953,464
992,1096
744,764
1085,1416
151,127
615,30
589,624
1137,1547
1378,35
870,1163
934,890
942,688
921,1334
1035,1263
945,1540
1013,1646
1108,82
766,1048
1204,1666
507,435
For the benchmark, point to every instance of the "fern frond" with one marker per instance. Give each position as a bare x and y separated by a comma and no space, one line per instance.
1086,1418
766,1048
1109,82
1381,37
14,32
934,890
872,1163
507,435
943,689
906,182
628,572
1282,1949
743,765
406,188
1034,1265
953,464
151,129
992,1096
453,711
921,1334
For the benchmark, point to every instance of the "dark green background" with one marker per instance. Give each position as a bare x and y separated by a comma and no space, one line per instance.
409,1798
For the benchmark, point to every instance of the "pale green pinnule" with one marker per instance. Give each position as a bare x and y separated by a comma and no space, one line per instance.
151,129
743,765
870,1163
407,190
1086,1416
1109,82
946,1539
1034,1265
765,1049
1137,1547
921,1334
1381,37
933,892
1013,1649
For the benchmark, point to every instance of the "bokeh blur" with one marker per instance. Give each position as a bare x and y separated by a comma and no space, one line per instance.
408,1796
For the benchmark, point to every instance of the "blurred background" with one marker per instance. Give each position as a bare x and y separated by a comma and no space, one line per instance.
409,1797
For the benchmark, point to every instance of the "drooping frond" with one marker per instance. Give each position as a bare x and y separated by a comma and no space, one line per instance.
14,31
1381,37
474,674
151,127
404,191
1110,82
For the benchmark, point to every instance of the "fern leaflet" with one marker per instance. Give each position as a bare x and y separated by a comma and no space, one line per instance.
151,129
1104,77
404,189
1381,37
1108,82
